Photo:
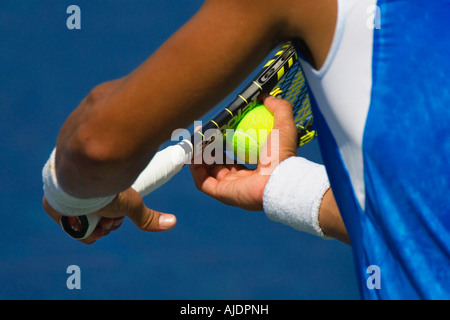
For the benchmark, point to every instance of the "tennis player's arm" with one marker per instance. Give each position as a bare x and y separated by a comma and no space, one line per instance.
330,219
107,141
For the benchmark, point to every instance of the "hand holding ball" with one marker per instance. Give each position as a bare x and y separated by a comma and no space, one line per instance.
251,134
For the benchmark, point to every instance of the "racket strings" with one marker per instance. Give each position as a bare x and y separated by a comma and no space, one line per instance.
292,88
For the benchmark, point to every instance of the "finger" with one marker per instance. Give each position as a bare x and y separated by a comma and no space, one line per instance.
110,224
282,140
218,171
153,221
284,122
207,178
203,180
117,223
100,231
55,215
146,219
199,173
103,228
224,162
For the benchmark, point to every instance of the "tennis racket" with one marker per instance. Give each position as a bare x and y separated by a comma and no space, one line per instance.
281,76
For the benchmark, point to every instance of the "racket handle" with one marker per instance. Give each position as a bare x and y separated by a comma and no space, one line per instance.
163,166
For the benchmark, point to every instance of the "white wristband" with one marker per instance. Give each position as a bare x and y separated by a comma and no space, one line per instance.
294,193
63,202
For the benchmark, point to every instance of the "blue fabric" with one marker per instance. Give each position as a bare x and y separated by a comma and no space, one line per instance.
342,189
406,149
405,227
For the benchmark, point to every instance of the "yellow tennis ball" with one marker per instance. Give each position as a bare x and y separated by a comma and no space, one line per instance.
251,133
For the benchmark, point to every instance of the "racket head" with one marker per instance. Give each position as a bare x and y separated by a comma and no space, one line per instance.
282,77
292,88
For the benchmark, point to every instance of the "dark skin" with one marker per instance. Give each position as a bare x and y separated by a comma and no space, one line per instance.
111,136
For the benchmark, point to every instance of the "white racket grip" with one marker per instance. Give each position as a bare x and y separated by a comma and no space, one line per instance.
163,166
92,221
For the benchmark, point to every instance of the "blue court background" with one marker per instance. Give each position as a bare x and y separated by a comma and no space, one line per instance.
214,252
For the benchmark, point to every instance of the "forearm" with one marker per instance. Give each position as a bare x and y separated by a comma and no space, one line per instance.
115,131
87,162
298,194
330,219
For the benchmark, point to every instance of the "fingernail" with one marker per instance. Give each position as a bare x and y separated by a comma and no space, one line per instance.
166,220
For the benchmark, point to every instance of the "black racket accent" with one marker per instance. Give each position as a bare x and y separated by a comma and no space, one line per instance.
67,226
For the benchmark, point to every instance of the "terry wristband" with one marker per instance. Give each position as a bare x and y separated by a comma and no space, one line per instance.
63,202
294,192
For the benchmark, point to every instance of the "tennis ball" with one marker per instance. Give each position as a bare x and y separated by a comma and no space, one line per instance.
251,133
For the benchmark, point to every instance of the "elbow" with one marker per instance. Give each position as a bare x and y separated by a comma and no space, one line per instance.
90,139
92,160
90,166
102,92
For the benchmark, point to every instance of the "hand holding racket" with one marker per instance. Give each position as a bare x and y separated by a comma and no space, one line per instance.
282,72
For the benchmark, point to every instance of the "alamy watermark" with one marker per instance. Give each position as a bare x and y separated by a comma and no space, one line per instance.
211,145
74,20
374,280
74,280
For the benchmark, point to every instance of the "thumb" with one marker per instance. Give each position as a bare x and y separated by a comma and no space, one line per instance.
282,140
143,217
153,221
